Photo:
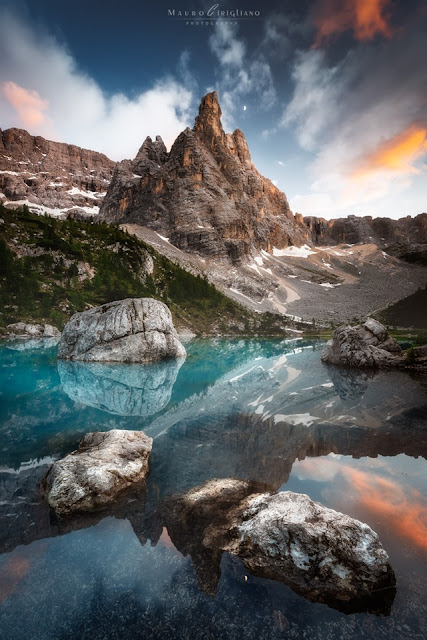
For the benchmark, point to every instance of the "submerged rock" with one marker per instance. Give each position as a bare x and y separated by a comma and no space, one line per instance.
368,345
102,467
130,330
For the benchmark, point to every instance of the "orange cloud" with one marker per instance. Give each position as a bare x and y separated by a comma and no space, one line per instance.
28,104
366,18
14,570
397,154
165,541
404,511
401,509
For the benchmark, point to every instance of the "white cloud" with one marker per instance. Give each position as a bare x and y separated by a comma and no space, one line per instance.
75,109
241,75
315,98
227,48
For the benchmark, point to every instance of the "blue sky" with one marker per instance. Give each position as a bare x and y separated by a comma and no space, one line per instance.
331,94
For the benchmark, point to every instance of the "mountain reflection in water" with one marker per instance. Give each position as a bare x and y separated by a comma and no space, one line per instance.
267,412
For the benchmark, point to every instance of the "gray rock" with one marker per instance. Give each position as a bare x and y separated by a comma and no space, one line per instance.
25,330
50,331
130,330
368,345
102,467
323,554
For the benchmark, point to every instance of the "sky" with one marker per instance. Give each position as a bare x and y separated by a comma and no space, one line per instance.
330,94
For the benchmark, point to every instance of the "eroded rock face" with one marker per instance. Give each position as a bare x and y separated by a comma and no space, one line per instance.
205,195
51,177
130,330
365,346
102,467
321,553
384,232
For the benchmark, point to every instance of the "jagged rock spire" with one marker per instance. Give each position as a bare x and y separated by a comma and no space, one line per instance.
208,125
154,151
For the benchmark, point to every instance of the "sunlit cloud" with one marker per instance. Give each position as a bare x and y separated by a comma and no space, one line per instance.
401,509
397,155
366,18
29,105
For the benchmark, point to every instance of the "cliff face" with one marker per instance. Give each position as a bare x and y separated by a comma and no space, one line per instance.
383,232
205,195
51,177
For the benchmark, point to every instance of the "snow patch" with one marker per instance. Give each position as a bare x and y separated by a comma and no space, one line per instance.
74,191
295,252
296,418
163,238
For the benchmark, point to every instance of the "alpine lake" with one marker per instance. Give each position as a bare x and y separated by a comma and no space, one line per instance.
266,411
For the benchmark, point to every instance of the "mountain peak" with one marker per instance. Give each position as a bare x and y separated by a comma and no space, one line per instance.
155,152
208,123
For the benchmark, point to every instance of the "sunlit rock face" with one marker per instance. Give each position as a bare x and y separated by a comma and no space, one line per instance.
51,177
102,467
205,195
124,390
322,554
130,330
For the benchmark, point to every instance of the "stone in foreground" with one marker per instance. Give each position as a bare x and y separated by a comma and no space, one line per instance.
322,554
366,346
92,477
130,330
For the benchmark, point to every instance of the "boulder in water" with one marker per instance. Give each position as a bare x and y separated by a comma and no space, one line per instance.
130,330
102,467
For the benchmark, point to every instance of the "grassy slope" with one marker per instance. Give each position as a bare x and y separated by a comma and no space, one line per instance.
49,269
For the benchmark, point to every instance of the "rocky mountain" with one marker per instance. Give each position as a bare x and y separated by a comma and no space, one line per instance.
403,235
51,177
206,208
205,195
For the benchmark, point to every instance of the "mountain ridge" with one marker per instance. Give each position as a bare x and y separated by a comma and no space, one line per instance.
205,195
204,206
51,177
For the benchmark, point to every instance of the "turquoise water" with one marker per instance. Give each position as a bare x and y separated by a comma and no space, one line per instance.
262,410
